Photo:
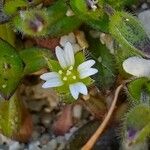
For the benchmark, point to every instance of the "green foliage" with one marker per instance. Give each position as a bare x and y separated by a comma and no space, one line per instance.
137,87
95,18
11,68
33,22
64,26
34,59
12,6
128,32
10,115
47,21
105,63
137,124
7,34
119,5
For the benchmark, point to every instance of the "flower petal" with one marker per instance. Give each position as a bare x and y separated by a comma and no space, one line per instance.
77,88
137,66
86,65
81,88
55,82
69,54
87,72
61,57
74,91
49,76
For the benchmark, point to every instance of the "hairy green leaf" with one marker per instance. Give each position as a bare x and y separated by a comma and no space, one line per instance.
11,69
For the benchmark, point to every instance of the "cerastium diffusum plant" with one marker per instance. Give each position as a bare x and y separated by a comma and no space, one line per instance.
68,74
76,69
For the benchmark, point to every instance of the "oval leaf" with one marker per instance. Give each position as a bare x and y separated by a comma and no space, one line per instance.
34,59
11,68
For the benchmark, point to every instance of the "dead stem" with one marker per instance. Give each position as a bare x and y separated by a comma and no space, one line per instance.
96,135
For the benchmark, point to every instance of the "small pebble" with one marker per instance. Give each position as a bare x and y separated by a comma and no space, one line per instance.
144,6
15,146
77,111
52,145
46,119
67,38
35,135
34,146
44,139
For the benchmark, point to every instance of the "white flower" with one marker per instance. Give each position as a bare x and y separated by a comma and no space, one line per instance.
137,66
69,74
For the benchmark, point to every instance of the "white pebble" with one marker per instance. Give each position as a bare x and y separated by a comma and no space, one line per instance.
14,146
77,111
76,48
67,38
34,146
52,144
60,139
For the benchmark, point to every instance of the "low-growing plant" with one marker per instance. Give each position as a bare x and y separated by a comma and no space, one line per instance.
73,70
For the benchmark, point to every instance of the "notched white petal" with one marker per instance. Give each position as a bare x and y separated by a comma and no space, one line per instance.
49,76
86,65
82,88
61,57
69,54
87,72
137,66
52,83
77,88
74,91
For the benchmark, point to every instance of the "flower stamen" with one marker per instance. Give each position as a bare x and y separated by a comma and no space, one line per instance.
60,72
68,72
71,68
65,78
74,77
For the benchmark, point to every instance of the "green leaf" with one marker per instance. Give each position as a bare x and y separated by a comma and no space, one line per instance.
135,88
11,69
137,124
50,20
119,4
7,34
34,59
10,116
104,63
64,26
12,6
96,19
35,22
129,33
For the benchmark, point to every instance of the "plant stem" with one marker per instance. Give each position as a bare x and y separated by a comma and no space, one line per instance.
99,131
